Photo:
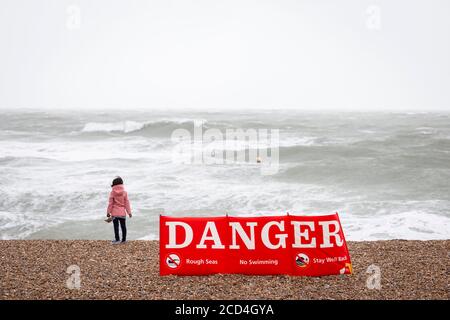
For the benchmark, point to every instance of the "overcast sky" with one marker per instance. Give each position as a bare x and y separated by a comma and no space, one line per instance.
357,55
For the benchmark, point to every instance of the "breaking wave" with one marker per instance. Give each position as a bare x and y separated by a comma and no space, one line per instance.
129,126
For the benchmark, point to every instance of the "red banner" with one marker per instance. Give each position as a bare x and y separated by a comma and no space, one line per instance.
293,245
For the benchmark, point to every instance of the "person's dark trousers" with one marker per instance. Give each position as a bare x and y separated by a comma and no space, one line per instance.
116,222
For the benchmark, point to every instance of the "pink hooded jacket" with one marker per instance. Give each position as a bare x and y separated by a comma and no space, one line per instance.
118,205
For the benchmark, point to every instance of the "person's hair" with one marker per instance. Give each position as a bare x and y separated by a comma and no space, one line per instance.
116,181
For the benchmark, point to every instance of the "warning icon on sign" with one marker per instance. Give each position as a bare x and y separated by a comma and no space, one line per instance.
302,260
173,261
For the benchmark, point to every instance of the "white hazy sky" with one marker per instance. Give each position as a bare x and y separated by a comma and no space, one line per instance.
347,54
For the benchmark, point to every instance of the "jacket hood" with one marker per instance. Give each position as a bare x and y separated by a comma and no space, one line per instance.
118,189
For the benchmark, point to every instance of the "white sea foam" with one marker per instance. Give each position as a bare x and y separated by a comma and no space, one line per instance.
150,236
80,150
123,126
409,225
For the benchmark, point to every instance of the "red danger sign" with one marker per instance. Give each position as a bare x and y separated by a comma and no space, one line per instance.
294,245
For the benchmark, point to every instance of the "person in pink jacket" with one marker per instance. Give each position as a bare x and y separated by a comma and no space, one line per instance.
118,208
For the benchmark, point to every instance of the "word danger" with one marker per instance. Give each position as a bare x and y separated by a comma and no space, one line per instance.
272,235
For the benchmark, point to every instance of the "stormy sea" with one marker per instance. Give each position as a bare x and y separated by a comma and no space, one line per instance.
386,174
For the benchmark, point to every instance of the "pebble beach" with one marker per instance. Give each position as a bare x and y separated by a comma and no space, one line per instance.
38,269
